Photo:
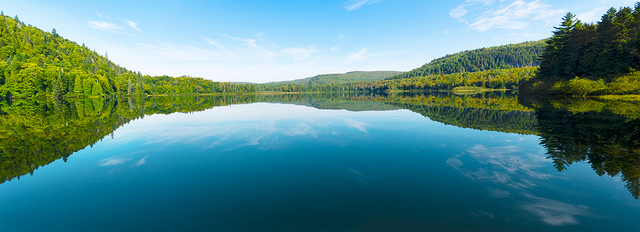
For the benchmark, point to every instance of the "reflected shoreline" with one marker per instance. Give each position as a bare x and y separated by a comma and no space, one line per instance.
605,134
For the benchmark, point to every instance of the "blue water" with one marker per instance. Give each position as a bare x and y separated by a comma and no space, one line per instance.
279,167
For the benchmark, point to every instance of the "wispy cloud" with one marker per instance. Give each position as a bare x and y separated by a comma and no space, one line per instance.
592,16
112,27
485,15
132,25
301,129
300,53
212,42
458,12
223,56
103,25
352,5
358,56
248,42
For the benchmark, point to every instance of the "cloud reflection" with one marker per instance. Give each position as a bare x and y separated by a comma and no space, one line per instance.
507,166
142,161
358,125
556,213
112,161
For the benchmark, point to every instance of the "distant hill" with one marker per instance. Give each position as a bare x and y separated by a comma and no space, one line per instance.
501,57
339,78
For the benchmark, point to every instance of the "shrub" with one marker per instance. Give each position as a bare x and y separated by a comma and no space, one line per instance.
579,87
627,84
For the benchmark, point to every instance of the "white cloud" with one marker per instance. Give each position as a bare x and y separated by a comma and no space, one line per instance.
103,25
458,12
352,5
592,16
247,42
505,14
214,43
132,25
300,53
358,56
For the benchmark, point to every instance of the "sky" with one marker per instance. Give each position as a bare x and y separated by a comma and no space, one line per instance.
263,41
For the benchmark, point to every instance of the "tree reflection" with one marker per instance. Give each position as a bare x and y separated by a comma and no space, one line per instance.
34,133
604,134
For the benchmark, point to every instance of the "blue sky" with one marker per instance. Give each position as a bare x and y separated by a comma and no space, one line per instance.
261,41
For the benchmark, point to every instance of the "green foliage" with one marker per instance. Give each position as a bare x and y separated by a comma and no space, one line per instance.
607,51
35,63
501,57
626,84
339,78
578,87
495,79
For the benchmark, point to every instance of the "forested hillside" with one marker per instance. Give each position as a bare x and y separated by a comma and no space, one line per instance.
584,58
502,57
35,63
493,79
339,78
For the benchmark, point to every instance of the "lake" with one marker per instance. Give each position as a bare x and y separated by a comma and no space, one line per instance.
323,162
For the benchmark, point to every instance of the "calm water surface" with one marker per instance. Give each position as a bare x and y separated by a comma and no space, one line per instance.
286,167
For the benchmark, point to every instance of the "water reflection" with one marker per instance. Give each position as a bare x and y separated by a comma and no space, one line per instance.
603,133
34,133
515,176
253,167
606,134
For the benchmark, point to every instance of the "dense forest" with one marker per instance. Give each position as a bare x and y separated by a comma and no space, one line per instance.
340,78
35,63
494,79
591,58
502,67
501,57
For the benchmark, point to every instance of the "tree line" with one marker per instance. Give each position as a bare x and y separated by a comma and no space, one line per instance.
340,78
494,79
592,58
